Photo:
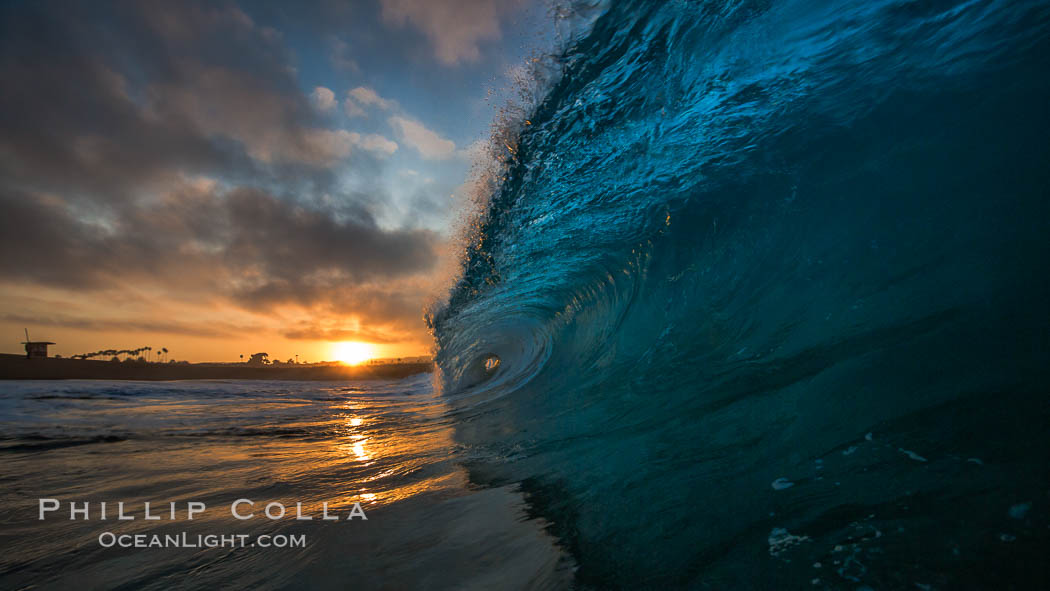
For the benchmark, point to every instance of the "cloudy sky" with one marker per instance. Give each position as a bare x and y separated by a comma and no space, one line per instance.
225,178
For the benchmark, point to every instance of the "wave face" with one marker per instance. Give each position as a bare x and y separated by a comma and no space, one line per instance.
767,286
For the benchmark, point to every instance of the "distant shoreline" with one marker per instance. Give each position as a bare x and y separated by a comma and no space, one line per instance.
17,367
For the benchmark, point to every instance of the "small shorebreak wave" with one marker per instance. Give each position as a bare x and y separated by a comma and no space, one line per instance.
735,241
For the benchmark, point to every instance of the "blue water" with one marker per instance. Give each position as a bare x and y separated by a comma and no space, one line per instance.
767,283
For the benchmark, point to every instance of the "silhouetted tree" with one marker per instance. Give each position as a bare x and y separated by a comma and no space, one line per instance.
259,359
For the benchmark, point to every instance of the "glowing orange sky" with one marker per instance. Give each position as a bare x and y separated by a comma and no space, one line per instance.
192,332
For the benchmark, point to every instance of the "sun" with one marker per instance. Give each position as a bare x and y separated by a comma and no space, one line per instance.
353,352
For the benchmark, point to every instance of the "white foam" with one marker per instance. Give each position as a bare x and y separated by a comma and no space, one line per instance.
911,454
781,539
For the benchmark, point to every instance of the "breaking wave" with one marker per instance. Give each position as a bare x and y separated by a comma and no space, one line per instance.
761,298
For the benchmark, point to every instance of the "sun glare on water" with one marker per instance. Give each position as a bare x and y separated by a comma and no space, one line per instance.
353,352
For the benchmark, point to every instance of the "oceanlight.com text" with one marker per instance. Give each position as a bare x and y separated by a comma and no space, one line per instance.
184,540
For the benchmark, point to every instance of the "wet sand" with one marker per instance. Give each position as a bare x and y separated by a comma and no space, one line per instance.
387,445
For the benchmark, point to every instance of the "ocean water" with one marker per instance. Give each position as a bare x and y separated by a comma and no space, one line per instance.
762,298
384,444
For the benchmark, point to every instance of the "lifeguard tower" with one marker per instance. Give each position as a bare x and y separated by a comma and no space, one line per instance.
36,349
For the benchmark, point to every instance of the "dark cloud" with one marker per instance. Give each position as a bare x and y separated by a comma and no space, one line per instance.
65,321
246,244
107,99
294,242
42,242
85,107
168,144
